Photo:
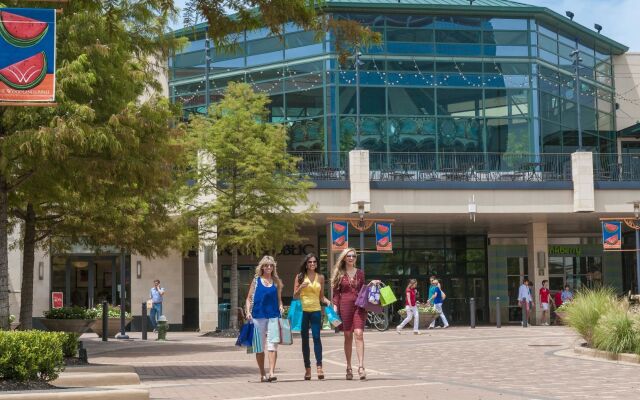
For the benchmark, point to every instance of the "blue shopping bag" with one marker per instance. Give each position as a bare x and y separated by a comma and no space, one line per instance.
295,315
273,331
245,338
256,343
332,316
285,331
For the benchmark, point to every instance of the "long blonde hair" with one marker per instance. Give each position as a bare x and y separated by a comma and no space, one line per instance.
411,283
340,268
265,261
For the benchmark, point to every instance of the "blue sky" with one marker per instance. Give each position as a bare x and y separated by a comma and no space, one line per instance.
619,18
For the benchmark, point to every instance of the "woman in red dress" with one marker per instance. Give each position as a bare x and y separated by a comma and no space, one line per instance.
346,282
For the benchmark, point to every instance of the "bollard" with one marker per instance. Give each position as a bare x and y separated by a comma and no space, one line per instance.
163,327
472,309
525,322
498,312
82,352
105,321
144,320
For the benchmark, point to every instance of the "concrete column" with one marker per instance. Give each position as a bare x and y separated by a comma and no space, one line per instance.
208,287
537,252
582,174
359,178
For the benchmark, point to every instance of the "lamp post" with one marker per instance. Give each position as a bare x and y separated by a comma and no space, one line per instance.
207,88
636,214
123,295
358,63
575,55
361,228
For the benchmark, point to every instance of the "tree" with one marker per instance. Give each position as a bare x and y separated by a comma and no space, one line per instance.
254,199
99,161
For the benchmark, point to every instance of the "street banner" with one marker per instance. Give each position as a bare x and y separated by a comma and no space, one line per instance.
27,54
57,300
339,235
612,235
383,236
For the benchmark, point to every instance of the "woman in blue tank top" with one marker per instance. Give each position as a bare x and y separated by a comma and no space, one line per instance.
264,302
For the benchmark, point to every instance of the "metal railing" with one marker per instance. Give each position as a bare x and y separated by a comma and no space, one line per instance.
323,165
616,167
469,167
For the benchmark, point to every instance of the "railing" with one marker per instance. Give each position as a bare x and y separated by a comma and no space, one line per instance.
323,165
469,167
616,167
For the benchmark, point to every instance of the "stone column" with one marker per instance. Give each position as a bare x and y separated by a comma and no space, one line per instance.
582,175
359,179
537,252
208,287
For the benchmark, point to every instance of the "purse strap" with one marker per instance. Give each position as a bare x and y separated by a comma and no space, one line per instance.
253,297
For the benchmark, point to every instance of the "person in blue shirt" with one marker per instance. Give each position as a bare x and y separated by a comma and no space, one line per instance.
156,294
436,299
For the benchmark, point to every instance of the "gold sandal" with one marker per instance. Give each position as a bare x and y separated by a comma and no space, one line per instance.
307,374
349,374
320,373
362,373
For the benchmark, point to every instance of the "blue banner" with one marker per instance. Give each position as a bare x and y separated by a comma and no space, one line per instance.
383,236
339,235
612,235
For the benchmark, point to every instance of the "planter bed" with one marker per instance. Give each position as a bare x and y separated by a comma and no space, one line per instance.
588,351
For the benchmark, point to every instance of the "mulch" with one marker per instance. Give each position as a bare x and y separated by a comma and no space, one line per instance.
226,333
7,384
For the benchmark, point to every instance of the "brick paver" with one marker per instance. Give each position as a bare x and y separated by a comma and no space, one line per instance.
457,363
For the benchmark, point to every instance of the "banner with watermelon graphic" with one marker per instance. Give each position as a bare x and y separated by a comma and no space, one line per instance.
612,235
383,236
339,235
27,54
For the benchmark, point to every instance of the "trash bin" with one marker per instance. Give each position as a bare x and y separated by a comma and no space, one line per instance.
224,311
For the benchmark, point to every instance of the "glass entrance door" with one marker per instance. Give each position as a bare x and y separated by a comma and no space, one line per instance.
517,268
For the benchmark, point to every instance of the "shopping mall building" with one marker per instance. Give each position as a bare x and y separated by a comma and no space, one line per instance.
469,133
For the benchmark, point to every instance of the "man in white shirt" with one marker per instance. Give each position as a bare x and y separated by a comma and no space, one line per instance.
524,295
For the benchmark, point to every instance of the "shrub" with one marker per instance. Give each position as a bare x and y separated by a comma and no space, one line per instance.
422,309
31,355
112,312
71,313
70,344
617,330
586,309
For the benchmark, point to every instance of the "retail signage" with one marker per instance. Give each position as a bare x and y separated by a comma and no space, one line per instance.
383,236
339,235
612,235
565,251
57,299
27,54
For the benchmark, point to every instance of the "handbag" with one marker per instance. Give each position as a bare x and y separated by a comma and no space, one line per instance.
361,300
386,296
295,315
273,331
149,304
376,308
285,331
245,338
332,316
374,294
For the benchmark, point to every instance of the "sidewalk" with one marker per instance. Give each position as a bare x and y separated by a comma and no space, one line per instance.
457,363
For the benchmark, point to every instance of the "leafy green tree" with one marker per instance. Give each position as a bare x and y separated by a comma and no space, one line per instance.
247,194
99,168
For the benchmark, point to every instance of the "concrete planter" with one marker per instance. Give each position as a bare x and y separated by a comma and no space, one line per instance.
425,320
113,328
562,317
67,325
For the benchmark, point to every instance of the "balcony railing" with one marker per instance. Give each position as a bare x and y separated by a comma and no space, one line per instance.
470,167
616,167
323,165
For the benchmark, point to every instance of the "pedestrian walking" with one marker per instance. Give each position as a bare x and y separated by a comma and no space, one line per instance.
411,307
436,299
264,302
544,302
346,282
156,295
524,298
309,286
567,294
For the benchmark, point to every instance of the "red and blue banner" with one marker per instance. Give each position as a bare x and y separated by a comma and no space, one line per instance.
383,236
339,235
612,235
27,54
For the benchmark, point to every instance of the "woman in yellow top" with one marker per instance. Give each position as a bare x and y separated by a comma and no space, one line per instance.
309,286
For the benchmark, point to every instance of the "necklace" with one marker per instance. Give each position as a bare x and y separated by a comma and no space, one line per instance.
267,283
352,277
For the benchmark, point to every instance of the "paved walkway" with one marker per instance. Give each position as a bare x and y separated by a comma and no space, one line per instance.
456,363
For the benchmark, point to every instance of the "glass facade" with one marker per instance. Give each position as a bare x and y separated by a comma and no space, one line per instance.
435,84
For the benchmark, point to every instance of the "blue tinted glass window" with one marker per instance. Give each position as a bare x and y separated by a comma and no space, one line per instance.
411,101
304,51
506,51
305,103
459,102
265,58
410,78
548,32
447,22
299,39
409,35
547,56
547,44
508,135
410,21
462,36
410,65
459,49
506,38
264,45
227,65
506,24
410,48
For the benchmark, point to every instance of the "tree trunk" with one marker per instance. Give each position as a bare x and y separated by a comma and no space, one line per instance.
233,323
28,264
4,257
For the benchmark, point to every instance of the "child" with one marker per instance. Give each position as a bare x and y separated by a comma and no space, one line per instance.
544,302
411,307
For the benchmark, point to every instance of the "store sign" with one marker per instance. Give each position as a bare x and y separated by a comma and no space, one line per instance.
612,235
339,235
27,54
383,236
565,251
57,300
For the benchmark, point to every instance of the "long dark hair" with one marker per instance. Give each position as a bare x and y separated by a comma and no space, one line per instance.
303,267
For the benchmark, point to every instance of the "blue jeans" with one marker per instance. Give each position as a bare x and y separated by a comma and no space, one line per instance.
315,319
155,312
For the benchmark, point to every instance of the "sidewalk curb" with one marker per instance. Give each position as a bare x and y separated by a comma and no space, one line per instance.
91,379
626,357
74,394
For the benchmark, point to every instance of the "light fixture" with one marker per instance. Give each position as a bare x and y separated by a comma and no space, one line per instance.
473,208
597,27
636,209
139,269
541,263
80,264
471,2
41,270
569,14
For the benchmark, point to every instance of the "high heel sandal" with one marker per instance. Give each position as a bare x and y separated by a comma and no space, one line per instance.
272,378
349,374
320,373
307,374
264,378
362,373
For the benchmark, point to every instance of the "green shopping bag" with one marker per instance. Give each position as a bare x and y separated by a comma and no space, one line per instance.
386,296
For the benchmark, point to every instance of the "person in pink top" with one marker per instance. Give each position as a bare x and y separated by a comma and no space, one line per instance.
411,306
544,302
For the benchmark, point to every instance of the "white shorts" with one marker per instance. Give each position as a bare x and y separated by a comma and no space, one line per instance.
545,306
263,324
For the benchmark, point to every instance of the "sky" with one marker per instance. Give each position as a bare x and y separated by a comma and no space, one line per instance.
619,18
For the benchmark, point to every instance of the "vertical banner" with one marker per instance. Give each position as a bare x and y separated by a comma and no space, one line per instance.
27,54
57,300
383,236
612,235
339,235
